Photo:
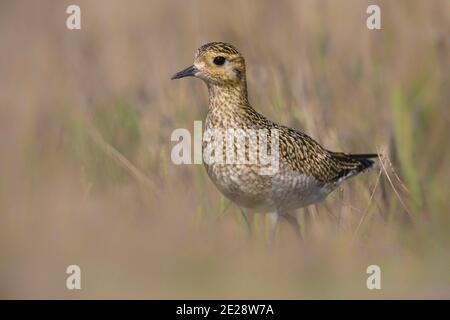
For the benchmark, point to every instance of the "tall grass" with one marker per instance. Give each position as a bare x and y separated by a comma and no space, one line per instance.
86,176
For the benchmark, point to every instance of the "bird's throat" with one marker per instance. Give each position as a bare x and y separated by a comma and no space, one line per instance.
227,96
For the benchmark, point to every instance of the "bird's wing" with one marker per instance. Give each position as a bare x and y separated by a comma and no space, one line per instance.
304,154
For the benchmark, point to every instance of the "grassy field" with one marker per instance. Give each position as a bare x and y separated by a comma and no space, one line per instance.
85,170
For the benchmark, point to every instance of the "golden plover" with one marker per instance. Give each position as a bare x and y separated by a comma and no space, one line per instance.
306,172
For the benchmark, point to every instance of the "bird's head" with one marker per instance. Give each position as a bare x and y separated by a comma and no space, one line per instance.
218,64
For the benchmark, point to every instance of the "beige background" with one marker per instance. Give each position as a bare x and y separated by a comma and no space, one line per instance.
141,227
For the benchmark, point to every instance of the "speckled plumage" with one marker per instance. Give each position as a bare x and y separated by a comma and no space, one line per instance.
307,171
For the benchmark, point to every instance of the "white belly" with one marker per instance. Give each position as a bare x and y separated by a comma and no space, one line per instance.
285,190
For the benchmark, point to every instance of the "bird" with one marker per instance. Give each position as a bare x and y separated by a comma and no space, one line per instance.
306,172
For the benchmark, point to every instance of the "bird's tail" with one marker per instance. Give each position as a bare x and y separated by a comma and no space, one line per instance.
352,164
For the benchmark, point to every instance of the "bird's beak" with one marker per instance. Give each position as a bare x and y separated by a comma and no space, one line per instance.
188,72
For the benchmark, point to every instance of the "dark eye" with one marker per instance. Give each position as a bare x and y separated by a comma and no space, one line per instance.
219,60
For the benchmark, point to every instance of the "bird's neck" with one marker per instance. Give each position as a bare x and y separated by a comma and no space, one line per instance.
223,97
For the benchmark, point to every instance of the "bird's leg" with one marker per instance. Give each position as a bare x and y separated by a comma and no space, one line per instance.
307,219
273,218
293,222
247,222
224,209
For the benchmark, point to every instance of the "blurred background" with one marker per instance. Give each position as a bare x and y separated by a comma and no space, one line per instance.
85,171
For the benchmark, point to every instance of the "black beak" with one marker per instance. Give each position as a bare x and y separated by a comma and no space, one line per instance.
188,72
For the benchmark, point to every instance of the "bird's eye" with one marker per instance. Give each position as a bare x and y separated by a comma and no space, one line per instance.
219,60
